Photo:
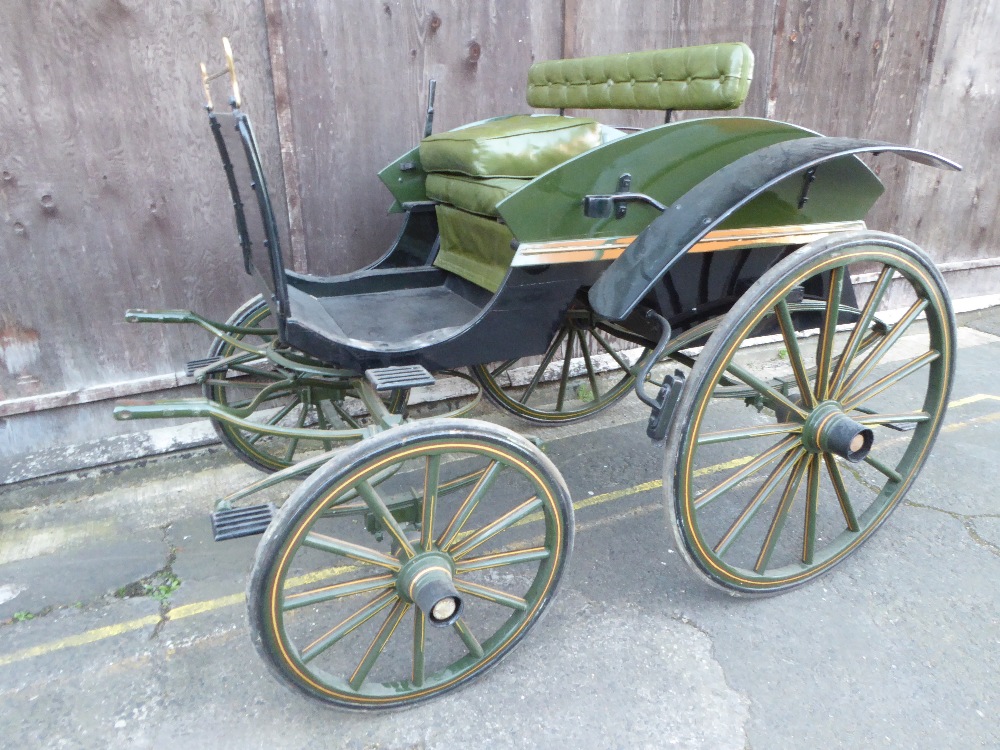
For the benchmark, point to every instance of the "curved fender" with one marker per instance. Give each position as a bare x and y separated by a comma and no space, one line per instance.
703,208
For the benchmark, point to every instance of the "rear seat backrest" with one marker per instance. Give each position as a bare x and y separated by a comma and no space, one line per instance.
714,76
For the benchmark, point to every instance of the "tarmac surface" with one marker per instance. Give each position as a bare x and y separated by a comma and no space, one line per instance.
123,624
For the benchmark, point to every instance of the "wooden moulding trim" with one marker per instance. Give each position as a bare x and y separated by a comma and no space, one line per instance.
585,250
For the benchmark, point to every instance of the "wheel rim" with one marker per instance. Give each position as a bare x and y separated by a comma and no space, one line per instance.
585,369
293,401
767,503
335,603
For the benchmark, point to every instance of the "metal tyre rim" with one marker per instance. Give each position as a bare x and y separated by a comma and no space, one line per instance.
334,596
761,501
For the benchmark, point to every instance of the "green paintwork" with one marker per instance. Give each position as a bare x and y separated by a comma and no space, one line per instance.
406,186
667,161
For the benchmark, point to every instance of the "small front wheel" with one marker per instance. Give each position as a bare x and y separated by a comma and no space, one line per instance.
368,598
769,491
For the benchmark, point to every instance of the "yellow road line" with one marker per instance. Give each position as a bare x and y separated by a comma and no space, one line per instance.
210,605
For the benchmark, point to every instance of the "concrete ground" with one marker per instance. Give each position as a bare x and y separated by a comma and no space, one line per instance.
122,624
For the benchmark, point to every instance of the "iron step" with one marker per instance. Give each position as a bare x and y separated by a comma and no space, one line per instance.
237,522
405,376
197,364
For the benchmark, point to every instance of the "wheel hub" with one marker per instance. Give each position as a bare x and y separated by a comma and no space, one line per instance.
426,580
829,430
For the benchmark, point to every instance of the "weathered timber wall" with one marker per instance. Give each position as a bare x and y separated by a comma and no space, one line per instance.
110,196
357,74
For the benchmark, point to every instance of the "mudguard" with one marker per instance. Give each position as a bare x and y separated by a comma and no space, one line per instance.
714,200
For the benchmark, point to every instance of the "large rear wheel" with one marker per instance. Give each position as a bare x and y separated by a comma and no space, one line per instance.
763,499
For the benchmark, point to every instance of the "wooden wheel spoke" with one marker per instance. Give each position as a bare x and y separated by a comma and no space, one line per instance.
746,471
769,393
492,595
483,535
841,490
589,365
350,550
378,507
812,506
615,355
875,356
502,559
546,360
855,339
323,424
469,504
293,443
780,516
336,591
378,645
743,433
468,638
883,468
757,501
854,400
564,374
794,353
897,418
429,503
347,626
419,642
824,347
502,368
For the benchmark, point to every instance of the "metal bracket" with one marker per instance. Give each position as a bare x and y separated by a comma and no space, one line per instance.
604,206
807,180
663,403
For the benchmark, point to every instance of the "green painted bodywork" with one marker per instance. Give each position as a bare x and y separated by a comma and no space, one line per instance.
406,185
667,161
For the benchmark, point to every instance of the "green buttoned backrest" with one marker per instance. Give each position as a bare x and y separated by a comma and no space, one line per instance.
715,76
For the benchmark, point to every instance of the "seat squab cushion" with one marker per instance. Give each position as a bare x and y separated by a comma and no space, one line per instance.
514,146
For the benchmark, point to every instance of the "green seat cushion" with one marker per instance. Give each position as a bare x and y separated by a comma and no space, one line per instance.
474,247
713,76
515,146
478,195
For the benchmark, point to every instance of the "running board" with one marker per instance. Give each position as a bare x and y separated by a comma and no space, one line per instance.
392,378
239,522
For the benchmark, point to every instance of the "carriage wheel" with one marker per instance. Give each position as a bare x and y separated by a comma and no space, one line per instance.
367,599
765,499
297,402
584,370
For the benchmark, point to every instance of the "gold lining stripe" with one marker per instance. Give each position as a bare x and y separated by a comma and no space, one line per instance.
609,248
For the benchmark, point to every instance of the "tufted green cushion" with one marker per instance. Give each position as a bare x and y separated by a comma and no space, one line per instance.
715,76
478,195
515,146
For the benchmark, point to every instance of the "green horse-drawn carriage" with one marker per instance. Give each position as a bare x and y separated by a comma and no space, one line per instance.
796,364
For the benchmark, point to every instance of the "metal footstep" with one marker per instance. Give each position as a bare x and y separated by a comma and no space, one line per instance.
404,376
237,522
196,364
